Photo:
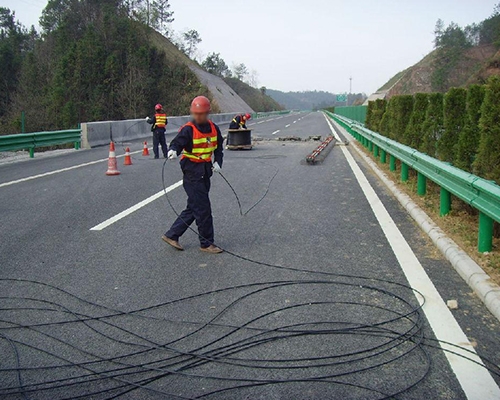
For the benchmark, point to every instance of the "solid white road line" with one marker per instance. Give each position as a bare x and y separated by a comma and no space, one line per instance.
30,178
134,208
475,380
275,132
286,126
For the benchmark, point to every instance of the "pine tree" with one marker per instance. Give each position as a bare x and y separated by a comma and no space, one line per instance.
403,110
468,142
370,114
433,125
378,113
487,163
387,119
455,118
414,130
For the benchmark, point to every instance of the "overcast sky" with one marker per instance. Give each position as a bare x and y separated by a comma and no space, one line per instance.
313,44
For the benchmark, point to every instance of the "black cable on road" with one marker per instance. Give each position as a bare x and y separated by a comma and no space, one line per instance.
77,348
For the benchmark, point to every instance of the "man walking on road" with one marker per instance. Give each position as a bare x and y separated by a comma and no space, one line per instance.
159,122
240,121
198,141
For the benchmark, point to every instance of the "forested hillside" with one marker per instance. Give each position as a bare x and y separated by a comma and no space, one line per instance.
462,56
255,98
90,62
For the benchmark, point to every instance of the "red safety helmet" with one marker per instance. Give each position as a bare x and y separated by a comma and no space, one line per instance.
200,104
158,107
248,116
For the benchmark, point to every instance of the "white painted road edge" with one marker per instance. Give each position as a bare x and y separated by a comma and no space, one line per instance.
57,171
482,284
475,380
135,207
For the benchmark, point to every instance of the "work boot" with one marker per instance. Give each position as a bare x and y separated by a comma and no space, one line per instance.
211,249
174,243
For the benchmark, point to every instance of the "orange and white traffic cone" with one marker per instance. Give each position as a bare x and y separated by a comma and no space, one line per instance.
112,165
128,159
145,150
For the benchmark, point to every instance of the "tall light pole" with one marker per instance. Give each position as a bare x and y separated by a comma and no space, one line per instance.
350,85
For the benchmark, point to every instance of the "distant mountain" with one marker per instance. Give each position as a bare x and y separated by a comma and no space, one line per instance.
311,100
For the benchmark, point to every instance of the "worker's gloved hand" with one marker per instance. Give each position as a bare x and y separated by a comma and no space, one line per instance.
147,118
172,155
216,167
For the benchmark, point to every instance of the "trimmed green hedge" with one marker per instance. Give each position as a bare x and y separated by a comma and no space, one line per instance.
461,127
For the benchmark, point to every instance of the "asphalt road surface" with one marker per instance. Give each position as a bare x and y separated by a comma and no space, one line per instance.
318,296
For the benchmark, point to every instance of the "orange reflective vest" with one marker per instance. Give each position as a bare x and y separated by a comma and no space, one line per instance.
161,120
204,144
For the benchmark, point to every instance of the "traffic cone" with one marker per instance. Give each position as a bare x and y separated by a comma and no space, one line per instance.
112,166
145,150
128,159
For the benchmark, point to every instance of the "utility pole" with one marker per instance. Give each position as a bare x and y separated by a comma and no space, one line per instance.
350,88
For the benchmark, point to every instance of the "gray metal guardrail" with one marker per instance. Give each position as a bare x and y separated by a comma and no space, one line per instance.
480,193
269,114
30,141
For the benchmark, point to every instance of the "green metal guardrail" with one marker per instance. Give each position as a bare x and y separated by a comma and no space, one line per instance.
31,141
269,114
480,193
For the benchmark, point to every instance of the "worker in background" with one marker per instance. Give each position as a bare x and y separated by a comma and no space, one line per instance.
159,123
239,122
198,141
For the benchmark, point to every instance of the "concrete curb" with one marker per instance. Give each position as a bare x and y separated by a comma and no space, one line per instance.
487,290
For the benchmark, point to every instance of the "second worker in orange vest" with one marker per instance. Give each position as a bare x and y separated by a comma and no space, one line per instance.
159,124
198,141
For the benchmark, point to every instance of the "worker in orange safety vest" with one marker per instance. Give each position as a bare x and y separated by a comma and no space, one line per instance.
198,142
158,126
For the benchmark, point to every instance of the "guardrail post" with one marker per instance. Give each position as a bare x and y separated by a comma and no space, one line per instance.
445,202
421,184
404,172
32,152
370,145
383,156
375,150
485,239
392,163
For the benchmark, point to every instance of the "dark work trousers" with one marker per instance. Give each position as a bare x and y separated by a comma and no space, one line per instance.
159,139
198,209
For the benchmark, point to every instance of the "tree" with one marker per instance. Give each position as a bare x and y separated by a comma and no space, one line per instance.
455,117
468,142
387,119
378,113
216,65
240,71
54,14
487,163
414,130
161,16
13,41
369,114
402,112
253,78
191,40
263,90
433,125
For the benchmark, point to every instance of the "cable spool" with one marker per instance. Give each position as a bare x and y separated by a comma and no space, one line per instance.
239,139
